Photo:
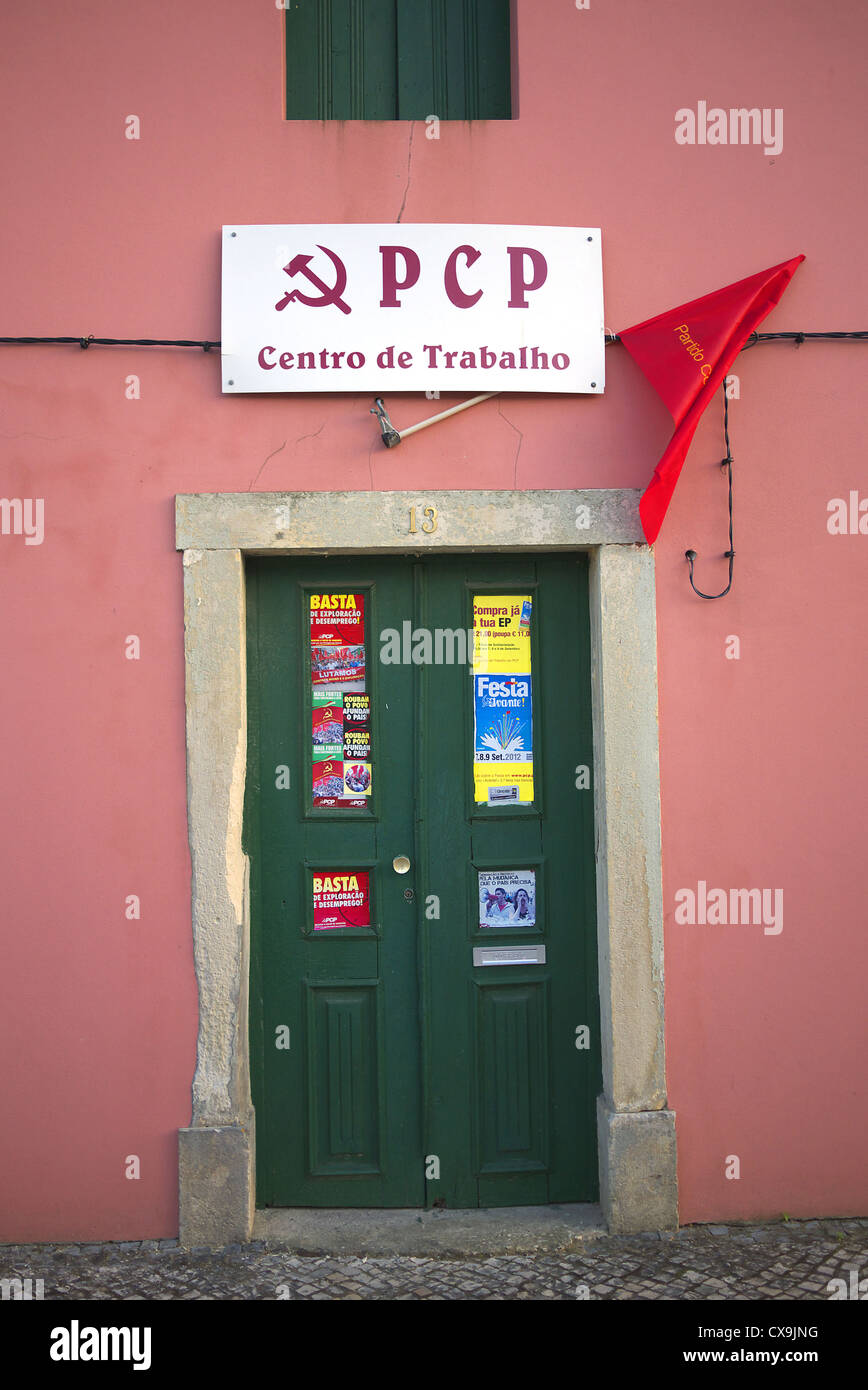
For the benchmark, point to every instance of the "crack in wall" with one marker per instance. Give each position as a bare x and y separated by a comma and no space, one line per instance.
520,442
313,435
265,461
409,159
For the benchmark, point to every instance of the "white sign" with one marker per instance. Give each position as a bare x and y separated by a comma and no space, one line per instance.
394,307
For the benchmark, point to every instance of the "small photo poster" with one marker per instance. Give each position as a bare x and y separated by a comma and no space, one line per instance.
507,898
341,898
357,779
337,641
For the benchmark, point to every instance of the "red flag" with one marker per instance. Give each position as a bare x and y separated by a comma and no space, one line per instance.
685,354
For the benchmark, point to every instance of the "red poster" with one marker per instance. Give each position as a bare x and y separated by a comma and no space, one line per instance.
328,729
337,640
339,783
341,898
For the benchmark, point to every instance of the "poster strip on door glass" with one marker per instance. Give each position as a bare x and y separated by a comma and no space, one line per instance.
502,713
342,767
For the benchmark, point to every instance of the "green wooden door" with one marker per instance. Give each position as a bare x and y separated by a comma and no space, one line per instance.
430,1035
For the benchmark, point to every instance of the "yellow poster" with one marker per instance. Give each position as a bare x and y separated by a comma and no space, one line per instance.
502,710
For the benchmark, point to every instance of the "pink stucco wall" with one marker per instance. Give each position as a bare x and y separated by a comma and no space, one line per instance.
764,761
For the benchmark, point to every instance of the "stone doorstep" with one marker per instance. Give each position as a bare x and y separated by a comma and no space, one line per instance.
516,1231
481,1233
409,1231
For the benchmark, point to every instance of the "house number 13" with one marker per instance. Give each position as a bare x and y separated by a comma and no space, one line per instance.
428,525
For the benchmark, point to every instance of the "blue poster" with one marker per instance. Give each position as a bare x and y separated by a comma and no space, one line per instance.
503,725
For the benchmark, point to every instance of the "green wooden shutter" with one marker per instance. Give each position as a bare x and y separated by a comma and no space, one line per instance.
453,60
380,60
492,62
341,60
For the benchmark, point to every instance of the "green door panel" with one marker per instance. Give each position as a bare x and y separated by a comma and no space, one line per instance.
387,1068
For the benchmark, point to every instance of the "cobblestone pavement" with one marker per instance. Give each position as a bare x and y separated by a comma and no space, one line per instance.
791,1260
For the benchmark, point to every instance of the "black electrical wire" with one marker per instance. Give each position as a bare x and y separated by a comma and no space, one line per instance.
205,344
728,554
798,338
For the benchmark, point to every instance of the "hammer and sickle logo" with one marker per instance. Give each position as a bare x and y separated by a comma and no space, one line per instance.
328,294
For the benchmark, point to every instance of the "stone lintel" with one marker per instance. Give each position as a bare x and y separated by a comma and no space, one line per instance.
356,523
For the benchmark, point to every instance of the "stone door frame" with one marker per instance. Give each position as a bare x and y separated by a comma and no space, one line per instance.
635,1128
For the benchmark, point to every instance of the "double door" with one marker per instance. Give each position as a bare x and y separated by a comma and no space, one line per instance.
419,819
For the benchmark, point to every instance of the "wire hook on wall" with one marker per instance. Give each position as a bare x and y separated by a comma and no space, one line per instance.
391,437
727,464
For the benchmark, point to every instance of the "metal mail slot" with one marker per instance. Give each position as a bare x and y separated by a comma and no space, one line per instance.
509,955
